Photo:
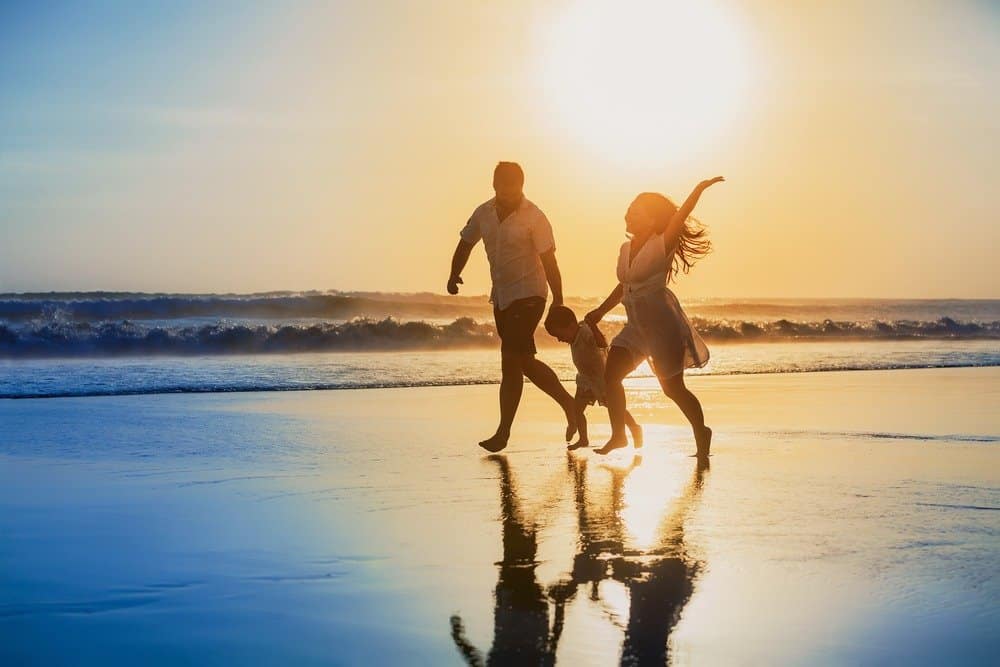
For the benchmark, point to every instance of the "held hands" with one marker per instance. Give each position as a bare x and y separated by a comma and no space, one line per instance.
453,283
594,316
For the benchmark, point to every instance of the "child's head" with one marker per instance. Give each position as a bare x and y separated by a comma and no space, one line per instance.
561,323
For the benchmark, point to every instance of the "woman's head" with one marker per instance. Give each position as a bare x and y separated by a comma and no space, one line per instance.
651,210
648,209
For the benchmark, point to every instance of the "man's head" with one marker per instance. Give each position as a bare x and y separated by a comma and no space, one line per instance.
561,324
508,183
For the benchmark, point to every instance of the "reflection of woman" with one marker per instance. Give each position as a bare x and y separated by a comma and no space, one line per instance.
660,580
521,613
663,240
661,587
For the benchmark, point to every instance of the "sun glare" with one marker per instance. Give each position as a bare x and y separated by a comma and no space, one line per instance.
644,82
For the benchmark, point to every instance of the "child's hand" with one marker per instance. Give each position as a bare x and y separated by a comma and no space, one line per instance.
593,317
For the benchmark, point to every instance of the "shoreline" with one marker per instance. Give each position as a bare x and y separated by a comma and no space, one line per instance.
631,382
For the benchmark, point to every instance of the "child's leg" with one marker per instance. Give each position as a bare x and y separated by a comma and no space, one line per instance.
580,401
634,429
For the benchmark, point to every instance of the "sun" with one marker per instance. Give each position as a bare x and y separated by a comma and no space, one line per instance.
644,82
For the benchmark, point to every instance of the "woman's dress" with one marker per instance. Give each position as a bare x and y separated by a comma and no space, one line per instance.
657,327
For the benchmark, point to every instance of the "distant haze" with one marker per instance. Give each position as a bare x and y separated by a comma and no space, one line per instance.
216,147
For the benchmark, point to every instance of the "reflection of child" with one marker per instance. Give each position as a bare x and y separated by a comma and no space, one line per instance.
590,353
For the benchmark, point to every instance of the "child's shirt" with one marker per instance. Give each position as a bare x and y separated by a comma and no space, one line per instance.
589,360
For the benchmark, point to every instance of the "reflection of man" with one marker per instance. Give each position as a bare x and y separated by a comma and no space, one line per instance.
521,613
521,252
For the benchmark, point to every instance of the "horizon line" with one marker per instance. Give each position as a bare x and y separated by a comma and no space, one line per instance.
483,296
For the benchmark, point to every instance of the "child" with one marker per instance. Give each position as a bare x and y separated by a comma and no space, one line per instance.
590,353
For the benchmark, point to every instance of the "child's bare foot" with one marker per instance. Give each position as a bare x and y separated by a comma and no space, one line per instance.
636,431
579,444
704,443
616,442
570,422
496,443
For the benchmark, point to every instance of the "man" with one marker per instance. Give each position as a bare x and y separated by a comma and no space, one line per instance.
522,257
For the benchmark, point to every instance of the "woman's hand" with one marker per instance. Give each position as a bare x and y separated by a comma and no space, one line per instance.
594,316
712,181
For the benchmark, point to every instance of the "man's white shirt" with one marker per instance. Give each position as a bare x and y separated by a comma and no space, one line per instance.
512,248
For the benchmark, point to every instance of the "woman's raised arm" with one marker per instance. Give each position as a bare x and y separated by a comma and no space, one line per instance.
672,229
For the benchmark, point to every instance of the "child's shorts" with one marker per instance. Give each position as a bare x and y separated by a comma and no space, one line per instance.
589,397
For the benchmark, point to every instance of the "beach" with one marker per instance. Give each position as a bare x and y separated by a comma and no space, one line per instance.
272,275
844,518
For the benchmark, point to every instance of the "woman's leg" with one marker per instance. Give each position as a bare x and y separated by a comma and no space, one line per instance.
621,362
677,391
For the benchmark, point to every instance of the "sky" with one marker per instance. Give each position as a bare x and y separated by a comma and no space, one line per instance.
237,147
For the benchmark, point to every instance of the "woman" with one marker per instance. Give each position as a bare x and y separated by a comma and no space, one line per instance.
663,240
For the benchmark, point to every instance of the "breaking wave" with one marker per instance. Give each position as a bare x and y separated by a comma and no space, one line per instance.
60,337
105,306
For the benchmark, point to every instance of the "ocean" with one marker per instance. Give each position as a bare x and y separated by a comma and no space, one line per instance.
188,500
101,343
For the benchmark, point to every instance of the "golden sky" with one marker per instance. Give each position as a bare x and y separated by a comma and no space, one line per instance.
242,149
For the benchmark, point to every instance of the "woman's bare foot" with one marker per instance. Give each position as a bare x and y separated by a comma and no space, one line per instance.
579,444
616,442
704,443
496,443
636,431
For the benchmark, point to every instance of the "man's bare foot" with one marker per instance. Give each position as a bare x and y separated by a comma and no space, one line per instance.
616,442
704,443
636,431
579,444
496,443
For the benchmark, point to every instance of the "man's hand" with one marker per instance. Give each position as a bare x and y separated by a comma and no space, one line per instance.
458,261
552,275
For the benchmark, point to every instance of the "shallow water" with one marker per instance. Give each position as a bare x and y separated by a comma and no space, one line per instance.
335,370
364,528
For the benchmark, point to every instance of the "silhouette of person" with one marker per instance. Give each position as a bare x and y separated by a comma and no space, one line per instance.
521,609
521,252
664,239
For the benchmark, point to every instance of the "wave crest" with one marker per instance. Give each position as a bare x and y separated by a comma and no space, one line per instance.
58,337
99,307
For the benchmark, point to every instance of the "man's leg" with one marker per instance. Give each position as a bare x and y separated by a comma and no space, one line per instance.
545,379
516,325
511,386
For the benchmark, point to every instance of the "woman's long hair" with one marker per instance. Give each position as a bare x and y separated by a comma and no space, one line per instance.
693,243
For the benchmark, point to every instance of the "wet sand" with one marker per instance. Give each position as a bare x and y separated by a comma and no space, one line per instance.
844,518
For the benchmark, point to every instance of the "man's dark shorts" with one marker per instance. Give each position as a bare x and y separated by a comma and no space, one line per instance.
516,324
